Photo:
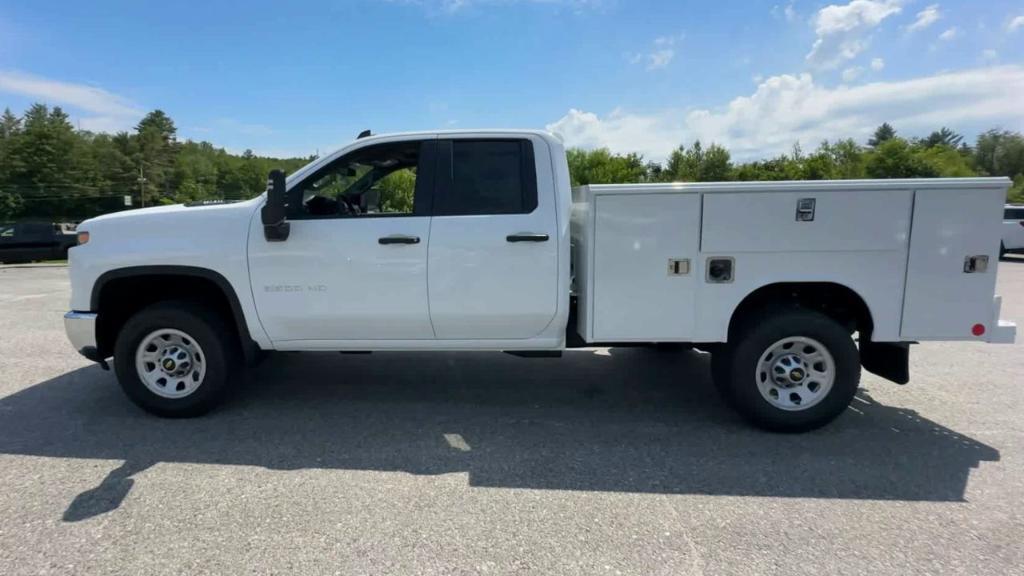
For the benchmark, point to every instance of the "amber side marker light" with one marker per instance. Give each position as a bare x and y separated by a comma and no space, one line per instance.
83,238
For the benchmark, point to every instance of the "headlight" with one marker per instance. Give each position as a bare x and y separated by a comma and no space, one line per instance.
83,237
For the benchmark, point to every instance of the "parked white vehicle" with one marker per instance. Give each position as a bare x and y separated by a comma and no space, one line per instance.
474,240
1013,230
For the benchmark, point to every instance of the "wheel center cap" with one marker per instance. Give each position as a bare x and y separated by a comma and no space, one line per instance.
796,374
175,361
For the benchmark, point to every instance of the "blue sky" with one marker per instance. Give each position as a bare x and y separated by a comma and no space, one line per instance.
757,76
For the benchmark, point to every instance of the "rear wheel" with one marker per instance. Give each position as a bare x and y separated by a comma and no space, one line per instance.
789,371
176,359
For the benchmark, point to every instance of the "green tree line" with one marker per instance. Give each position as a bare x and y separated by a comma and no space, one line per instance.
52,171
886,155
49,170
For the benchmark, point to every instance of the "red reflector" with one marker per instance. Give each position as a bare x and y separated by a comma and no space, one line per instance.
978,329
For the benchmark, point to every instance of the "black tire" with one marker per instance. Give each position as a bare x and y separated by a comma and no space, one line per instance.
210,331
734,368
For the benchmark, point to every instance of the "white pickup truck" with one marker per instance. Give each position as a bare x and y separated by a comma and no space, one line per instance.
475,240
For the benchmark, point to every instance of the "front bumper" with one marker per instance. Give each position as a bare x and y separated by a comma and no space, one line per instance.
81,331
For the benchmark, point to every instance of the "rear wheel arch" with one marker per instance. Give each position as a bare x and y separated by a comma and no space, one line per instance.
120,293
835,300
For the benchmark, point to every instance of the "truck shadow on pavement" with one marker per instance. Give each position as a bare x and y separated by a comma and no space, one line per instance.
632,420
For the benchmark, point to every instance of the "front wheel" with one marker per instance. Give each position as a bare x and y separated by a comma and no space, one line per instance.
790,371
176,359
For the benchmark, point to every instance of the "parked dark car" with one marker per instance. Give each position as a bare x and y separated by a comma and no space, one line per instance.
31,241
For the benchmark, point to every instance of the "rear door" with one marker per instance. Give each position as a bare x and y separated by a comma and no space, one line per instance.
493,254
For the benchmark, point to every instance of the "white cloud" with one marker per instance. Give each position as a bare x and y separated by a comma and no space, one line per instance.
661,55
95,108
787,109
877,64
851,74
653,135
660,58
1015,23
843,31
949,34
989,55
925,18
788,12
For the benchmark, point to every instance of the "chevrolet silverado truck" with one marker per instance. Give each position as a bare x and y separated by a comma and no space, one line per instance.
475,240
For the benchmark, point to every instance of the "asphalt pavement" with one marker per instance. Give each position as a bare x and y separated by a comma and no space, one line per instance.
605,461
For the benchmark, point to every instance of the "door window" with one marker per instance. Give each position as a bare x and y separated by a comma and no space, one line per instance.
487,177
380,180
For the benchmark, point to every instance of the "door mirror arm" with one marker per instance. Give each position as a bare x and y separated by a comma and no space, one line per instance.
274,214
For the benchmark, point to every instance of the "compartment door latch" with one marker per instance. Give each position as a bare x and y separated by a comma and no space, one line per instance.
975,264
678,267
805,210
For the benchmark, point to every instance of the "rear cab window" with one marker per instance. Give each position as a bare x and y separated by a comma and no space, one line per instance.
487,176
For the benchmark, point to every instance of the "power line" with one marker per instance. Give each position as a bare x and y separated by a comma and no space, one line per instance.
79,197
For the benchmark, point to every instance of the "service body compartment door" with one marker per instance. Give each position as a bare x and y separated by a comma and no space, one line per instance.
645,251
839,221
943,300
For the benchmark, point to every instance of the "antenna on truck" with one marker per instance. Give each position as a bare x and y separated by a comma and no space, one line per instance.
363,134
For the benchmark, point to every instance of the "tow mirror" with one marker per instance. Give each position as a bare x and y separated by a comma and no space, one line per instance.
275,224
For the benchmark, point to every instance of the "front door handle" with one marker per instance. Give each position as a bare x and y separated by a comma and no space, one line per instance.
527,237
399,239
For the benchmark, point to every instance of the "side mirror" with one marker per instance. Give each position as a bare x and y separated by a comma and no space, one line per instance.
275,225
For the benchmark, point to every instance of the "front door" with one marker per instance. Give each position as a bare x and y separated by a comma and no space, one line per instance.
355,264
493,242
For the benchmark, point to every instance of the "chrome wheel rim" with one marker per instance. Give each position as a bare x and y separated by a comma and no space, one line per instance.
795,373
170,363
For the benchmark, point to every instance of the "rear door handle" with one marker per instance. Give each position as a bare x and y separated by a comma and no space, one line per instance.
399,239
527,237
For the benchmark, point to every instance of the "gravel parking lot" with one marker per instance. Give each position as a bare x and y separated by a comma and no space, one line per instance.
618,461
